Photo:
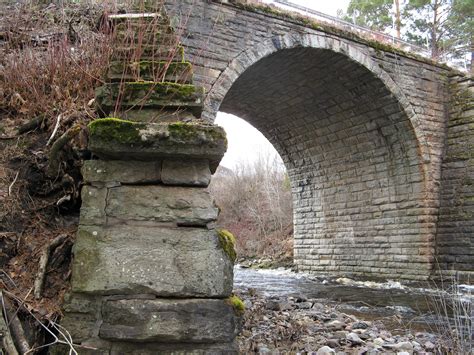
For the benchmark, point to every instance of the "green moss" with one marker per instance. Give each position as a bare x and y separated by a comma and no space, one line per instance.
237,304
186,131
114,129
163,88
227,241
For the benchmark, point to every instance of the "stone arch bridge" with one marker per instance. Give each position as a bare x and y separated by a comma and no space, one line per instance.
377,142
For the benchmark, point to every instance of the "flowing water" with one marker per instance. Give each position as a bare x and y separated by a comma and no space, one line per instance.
397,305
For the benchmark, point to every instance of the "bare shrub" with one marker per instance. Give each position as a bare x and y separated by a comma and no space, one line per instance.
453,315
255,203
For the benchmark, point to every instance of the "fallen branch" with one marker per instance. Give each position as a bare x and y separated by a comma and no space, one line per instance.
58,146
15,327
31,125
43,263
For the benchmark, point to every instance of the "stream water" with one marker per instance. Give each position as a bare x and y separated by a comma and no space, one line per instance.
393,302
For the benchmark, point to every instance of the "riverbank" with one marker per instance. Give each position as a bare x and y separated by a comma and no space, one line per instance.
290,312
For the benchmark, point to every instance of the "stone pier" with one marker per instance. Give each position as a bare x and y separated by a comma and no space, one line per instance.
151,274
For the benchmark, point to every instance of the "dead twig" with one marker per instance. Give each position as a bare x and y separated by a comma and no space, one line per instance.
13,183
15,327
55,130
40,277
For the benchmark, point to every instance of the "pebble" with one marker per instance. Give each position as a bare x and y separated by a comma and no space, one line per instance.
360,325
354,339
335,325
404,346
304,305
325,350
320,327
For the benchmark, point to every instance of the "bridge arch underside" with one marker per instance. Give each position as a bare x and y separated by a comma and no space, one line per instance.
353,159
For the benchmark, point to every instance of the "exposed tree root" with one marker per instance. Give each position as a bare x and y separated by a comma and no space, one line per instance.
16,329
54,154
40,277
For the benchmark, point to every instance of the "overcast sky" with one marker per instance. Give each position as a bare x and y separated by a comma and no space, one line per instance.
245,142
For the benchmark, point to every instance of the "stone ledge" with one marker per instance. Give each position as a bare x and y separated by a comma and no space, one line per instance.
166,262
112,138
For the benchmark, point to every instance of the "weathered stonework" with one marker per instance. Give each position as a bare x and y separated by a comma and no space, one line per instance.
166,262
377,143
150,273
455,244
361,127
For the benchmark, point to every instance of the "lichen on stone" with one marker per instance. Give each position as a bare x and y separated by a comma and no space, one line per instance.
237,304
227,242
115,129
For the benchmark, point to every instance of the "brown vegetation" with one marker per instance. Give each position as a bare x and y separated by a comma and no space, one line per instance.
51,59
255,203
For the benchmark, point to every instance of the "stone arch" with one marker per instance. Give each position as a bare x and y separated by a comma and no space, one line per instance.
250,56
372,196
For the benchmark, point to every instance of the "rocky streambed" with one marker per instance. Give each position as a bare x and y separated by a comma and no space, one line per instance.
288,312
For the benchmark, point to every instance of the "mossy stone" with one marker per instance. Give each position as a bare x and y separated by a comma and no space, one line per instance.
227,242
237,304
149,94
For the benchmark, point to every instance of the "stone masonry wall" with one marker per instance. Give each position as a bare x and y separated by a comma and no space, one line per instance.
456,225
150,273
360,126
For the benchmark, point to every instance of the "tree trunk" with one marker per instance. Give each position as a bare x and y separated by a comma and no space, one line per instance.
434,41
397,17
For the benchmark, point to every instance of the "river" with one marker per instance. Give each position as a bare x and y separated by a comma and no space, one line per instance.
390,301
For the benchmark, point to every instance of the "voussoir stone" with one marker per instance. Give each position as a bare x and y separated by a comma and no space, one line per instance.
182,172
126,172
169,320
185,206
167,262
112,138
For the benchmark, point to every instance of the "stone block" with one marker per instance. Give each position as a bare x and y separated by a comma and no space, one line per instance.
182,172
149,94
126,172
169,320
185,206
112,138
147,70
93,205
181,205
167,262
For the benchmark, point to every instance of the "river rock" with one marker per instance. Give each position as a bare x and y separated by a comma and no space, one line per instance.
126,172
403,346
168,320
360,325
325,350
153,203
187,173
354,339
304,305
169,262
335,325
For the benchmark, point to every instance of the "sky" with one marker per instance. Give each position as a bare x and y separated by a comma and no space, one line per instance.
245,142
